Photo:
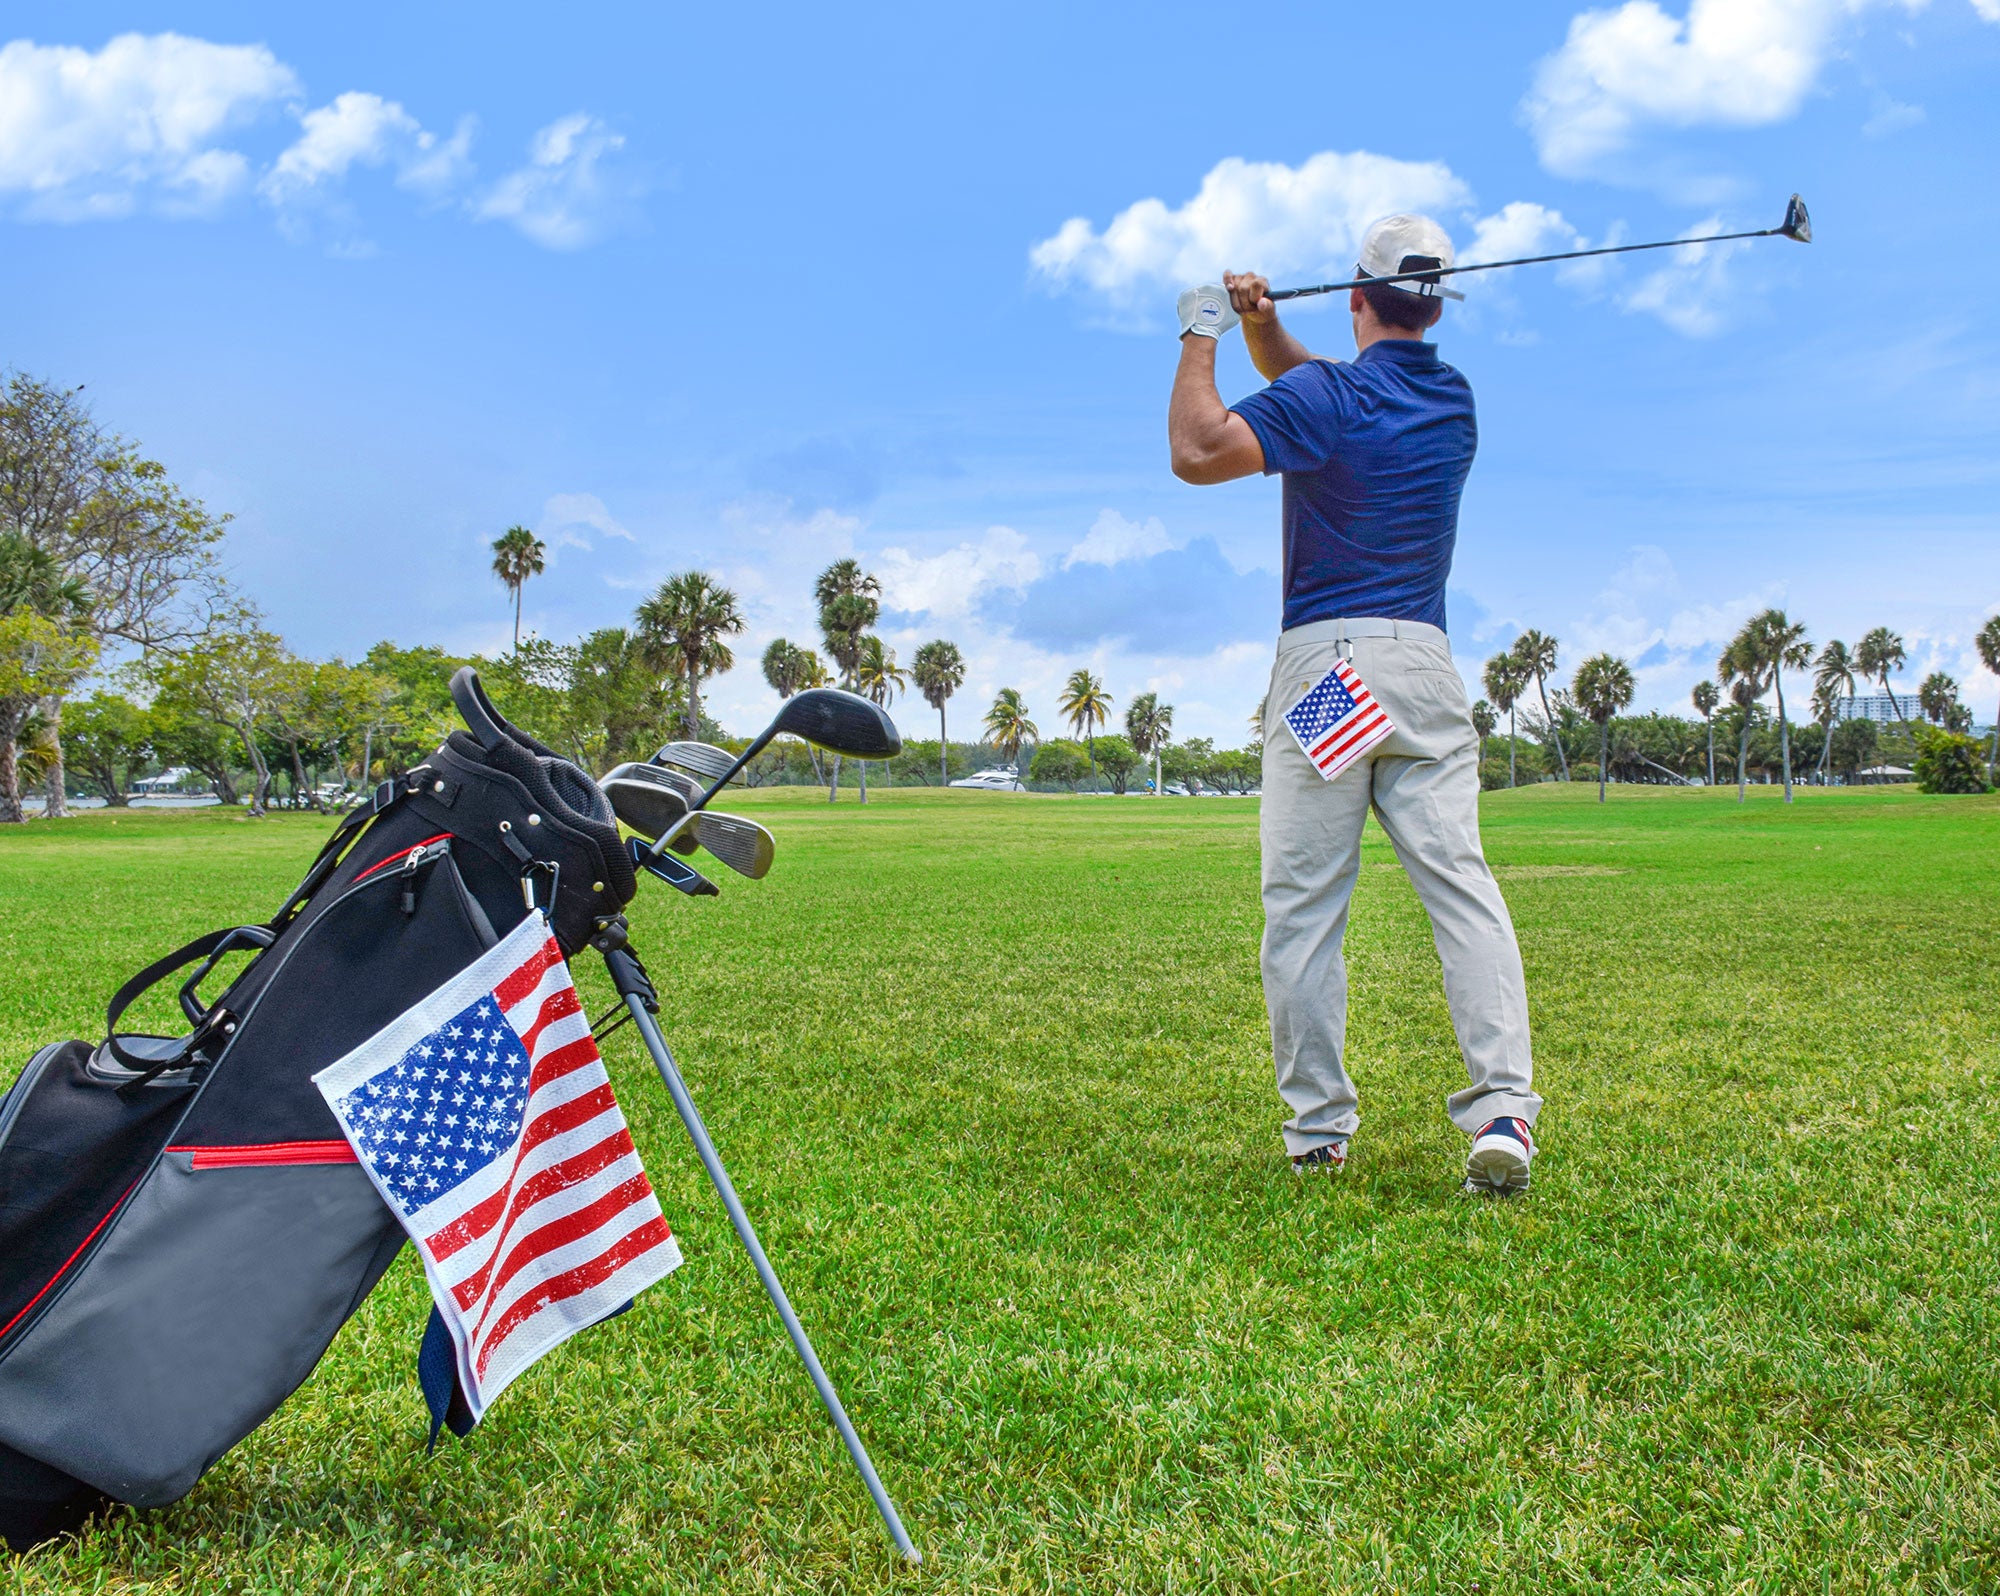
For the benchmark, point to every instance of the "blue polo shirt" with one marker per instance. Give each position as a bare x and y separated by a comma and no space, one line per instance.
1375,453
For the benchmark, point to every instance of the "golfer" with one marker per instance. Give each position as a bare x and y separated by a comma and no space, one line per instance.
1374,453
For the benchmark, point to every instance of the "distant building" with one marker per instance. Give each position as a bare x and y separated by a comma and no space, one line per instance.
1882,708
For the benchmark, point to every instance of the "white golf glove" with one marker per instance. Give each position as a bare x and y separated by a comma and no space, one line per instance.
1206,311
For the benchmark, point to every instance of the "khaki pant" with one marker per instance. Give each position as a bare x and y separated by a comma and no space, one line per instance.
1423,783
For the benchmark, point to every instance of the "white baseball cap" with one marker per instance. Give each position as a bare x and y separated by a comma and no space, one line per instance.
1400,243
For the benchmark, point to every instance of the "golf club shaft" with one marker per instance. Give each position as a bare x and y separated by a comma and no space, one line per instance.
1525,260
663,1060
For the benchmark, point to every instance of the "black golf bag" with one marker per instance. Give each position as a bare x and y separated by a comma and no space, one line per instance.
183,1228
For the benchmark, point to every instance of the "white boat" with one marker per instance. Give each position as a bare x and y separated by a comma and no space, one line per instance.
1002,779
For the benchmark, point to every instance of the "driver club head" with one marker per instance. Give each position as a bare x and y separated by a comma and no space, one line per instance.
704,759
1797,224
743,845
841,722
648,804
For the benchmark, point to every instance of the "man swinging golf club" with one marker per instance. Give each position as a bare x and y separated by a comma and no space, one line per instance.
1365,707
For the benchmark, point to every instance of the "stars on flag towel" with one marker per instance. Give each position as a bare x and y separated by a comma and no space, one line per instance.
484,1117
1338,720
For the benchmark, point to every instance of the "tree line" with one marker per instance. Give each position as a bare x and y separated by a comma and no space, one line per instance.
124,649
1584,720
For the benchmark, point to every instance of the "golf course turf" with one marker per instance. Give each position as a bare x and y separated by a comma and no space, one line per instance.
992,1075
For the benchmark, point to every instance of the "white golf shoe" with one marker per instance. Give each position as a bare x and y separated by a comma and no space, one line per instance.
1502,1149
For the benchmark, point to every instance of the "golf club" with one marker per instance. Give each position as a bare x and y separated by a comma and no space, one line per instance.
743,845
1796,226
704,759
679,780
651,805
643,799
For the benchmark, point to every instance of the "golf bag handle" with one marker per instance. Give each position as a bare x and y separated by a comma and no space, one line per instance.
486,723
207,1022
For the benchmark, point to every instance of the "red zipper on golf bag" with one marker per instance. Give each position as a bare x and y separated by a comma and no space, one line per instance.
328,1152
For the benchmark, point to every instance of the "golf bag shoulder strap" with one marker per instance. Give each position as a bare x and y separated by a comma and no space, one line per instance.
207,1022
385,797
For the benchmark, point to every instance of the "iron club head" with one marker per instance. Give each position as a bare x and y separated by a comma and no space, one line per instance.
704,759
743,845
650,803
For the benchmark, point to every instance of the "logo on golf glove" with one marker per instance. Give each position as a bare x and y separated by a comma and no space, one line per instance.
1206,311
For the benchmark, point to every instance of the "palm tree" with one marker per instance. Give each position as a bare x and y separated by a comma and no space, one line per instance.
878,678
1536,654
1742,671
1007,724
784,667
1504,678
790,669
1877,654
1767,644
1833,681
517,555
850,601
1148,724
938,669
1706,697
1483,722
1938,697
1602,687
1086,706
1987,641
681,630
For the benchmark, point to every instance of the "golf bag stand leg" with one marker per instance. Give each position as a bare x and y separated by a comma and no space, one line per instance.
637,993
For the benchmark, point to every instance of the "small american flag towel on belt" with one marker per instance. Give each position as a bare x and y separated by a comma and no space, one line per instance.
484,1117
1338,721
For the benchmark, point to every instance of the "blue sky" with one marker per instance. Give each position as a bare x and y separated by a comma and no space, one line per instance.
676,290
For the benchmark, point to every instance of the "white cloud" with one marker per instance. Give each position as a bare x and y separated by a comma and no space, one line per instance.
947,585
564,513
145,124
1520,228
1260,215
134,125
1112,538
1689,293
358,129
569,194
1726,63
1281,220
1892,116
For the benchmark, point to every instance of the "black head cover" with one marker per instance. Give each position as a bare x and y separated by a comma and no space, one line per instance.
1797,224
842,723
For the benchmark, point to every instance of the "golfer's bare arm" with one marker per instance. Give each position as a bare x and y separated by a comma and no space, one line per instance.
1210,442
1273,350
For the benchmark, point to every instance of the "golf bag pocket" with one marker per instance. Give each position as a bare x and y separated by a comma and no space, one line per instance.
209,1300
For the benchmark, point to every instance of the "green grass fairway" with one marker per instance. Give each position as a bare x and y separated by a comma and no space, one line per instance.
991,1072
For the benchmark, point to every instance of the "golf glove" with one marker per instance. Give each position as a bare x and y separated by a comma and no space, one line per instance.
1206,311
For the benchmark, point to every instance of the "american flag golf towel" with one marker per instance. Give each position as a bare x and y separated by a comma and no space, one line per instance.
1338,721
484,1117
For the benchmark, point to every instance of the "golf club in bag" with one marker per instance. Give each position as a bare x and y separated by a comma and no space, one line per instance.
183,1229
